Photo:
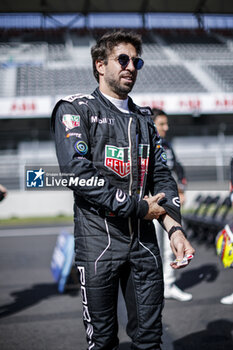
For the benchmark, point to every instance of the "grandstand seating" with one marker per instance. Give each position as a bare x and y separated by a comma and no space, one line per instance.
224,74
167,78
4,48
154,52
57,52
39,81
52,65
198,45
203,52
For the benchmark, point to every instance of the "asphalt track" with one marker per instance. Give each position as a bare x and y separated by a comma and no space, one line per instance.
34,316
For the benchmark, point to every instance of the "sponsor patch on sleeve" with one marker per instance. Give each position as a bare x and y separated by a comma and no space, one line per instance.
75,134
163,157
176,201
81,147
71,121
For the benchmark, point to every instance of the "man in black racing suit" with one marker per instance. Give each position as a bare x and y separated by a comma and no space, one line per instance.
110,148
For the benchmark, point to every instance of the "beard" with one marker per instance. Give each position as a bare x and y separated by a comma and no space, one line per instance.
119,88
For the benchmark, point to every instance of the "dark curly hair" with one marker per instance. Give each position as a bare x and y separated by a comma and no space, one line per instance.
105,45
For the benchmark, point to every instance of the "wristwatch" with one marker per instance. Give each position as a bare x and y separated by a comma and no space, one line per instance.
174,229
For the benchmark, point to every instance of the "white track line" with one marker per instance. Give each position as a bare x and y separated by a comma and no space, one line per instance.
34,231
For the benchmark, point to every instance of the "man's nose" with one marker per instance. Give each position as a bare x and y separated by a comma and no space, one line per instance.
130,65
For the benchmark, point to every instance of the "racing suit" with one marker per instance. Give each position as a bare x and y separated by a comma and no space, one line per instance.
121,156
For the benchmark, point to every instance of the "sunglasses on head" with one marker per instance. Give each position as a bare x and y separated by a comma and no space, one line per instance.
124,60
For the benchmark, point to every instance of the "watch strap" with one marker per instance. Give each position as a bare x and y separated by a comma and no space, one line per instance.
174,229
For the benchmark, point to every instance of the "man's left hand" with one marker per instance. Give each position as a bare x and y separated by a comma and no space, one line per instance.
181,247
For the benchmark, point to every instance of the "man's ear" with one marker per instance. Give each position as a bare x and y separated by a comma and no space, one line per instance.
100,66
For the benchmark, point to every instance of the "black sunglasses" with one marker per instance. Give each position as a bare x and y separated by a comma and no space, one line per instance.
124,60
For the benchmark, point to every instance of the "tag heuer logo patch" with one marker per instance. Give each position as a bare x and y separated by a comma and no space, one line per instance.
71,121
143,161
118,160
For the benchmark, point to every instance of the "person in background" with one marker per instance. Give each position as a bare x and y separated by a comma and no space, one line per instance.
161,121
3,192
228,300
171,290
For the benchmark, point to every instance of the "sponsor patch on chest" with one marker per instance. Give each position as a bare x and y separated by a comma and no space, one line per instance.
117,159
143,162
104,120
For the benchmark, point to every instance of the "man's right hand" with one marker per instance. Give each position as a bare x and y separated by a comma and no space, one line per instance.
155,210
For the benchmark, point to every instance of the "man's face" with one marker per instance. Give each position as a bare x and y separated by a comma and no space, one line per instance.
117,81
161,123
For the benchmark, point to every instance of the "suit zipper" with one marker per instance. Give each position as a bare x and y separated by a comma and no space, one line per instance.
131,175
